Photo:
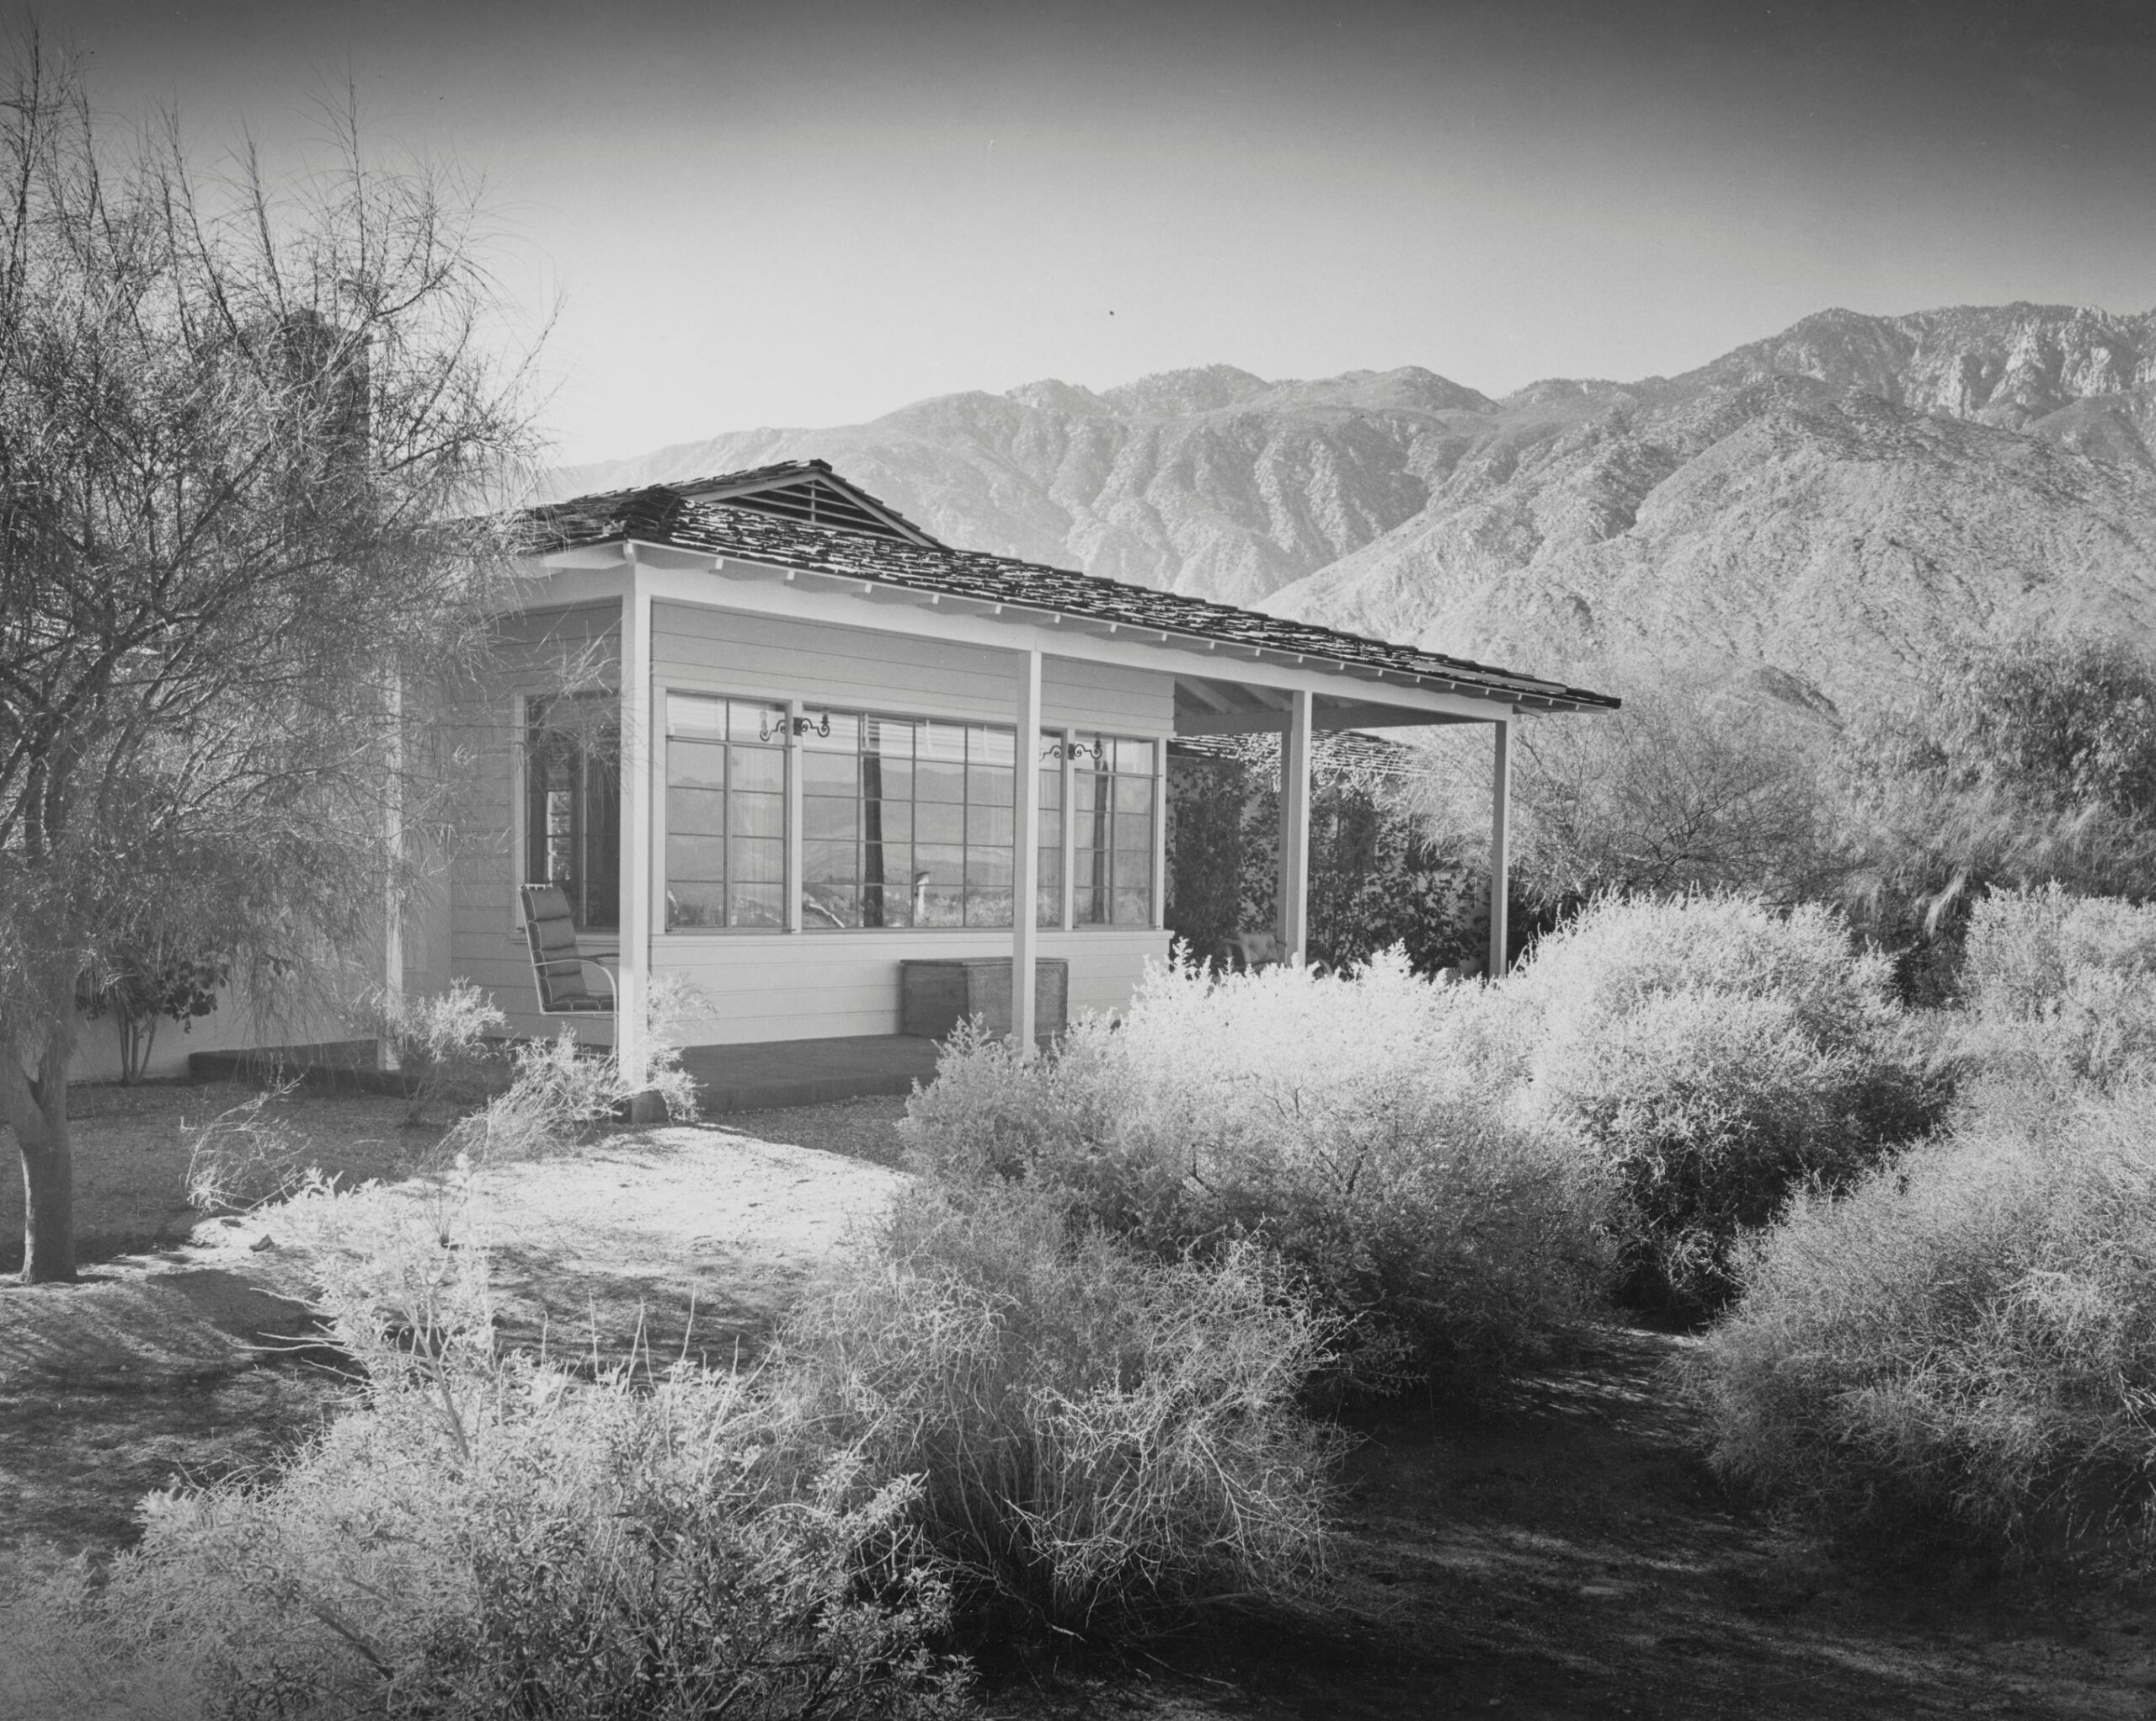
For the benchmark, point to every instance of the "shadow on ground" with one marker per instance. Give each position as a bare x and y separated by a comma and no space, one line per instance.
1572,1556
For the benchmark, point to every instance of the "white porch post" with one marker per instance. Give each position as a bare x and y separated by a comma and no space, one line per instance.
1026,861
1294,917
1501,840
633,969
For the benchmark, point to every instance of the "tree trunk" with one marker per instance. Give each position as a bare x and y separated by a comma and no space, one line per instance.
36,1110
49,1199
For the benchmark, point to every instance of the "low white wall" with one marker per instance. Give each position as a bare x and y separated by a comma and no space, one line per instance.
827,985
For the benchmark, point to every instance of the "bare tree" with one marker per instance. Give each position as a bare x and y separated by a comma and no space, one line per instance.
1696,785
240,419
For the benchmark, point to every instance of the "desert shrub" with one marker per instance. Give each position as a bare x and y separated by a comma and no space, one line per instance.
2019,761
1964,1344
241,1157
1716,1055
1103,1441
494,1537
2061,989
559,1091
440,1042
1349,1125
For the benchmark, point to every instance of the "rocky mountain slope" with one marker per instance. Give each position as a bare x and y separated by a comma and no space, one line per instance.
1832,502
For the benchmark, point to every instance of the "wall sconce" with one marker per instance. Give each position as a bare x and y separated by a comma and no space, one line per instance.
802,726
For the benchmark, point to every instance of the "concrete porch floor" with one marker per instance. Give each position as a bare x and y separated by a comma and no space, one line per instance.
770,1073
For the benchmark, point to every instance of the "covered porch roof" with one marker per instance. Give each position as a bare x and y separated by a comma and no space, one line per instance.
1356,682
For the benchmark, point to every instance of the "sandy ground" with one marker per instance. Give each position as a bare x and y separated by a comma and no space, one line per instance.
181,1363
131,1148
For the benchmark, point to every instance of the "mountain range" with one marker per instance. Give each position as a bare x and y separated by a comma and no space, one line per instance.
1822,509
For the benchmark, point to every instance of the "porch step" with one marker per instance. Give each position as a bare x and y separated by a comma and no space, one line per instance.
773,1073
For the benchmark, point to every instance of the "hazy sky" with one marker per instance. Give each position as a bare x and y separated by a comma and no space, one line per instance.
811,214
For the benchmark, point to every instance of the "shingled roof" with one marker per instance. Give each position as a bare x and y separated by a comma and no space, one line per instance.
664,515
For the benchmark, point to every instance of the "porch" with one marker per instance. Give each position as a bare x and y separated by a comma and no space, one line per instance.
763,1075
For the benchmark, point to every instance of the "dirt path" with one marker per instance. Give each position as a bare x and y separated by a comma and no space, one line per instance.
153,1367
1574,1557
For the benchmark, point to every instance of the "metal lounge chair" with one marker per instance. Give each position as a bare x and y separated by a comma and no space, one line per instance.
563,977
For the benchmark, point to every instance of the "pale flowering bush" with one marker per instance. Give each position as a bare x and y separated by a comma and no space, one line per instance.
1964,1344
1717,1056
1350,1124
1101,1440
2061,989
441,1041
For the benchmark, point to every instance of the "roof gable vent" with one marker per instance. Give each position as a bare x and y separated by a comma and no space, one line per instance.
809,493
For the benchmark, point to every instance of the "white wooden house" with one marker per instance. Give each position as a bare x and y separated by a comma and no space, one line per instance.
843,745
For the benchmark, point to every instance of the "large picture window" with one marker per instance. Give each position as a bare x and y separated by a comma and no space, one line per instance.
1112,811
905,822
725,813
573,802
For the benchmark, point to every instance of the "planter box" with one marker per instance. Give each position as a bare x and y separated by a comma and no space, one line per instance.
934,997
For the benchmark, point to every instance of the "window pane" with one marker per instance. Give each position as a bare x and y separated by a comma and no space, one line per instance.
990,746
989,866
756,815
694,859
894,778
830,863
944,863
830,905
942,742
1085,792
1134,795
990,785
1133,907
702,763
1051,790
1133,757
830,772
934,822
1047,908
696,812
687,714
990,825
844,736
826,818
889,738
988,908
939,904
762,769
759,723
891,820
690,906
938,781
755,905
753,860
